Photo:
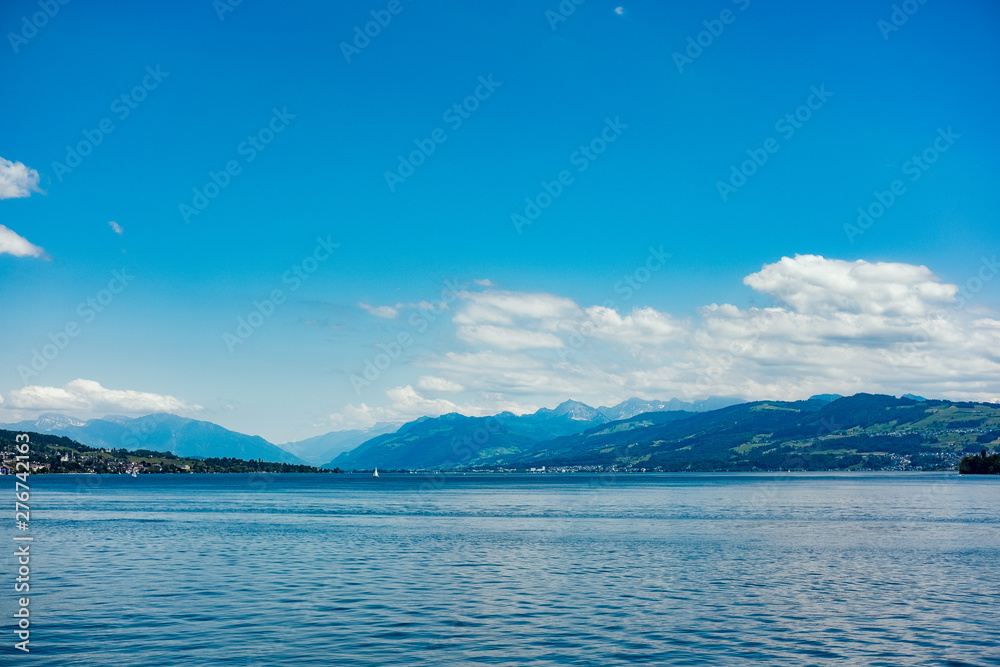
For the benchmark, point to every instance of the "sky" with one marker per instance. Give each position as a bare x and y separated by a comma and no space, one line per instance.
302,217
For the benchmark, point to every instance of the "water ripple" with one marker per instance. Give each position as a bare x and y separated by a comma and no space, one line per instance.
533,570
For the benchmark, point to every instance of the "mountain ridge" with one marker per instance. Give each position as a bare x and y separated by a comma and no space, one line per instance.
165,432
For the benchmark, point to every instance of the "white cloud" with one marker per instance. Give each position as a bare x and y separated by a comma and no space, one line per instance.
385,312
485,282
643,326
507,338
116,228
405,405
89,396
13,244
434,383
514,320
423,305
523,321
17,180
406,399
498,307
814,284
842,327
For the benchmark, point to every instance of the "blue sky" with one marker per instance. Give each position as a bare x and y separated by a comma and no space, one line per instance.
537,312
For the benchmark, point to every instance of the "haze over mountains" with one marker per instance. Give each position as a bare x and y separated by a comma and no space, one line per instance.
823,432
323,448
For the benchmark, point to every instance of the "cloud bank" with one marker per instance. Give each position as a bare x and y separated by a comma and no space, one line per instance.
89,396
835,326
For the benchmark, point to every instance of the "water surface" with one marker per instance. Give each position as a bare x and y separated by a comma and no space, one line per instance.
771,569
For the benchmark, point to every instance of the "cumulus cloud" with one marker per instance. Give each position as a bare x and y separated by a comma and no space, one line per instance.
89,396
385,312
840,326
814,284
643,326
526,321
13,244
116,228
17,180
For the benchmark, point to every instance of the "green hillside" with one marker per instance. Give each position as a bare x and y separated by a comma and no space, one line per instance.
456,441
864,431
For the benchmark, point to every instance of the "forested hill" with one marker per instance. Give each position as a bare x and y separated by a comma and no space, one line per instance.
863,431
58,454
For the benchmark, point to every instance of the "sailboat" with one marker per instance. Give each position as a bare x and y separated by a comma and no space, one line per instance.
376,473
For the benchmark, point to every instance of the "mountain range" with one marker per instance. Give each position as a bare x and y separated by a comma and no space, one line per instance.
824,431
159,432
201,439
454,440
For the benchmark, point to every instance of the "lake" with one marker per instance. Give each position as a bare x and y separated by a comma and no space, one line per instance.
409,569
